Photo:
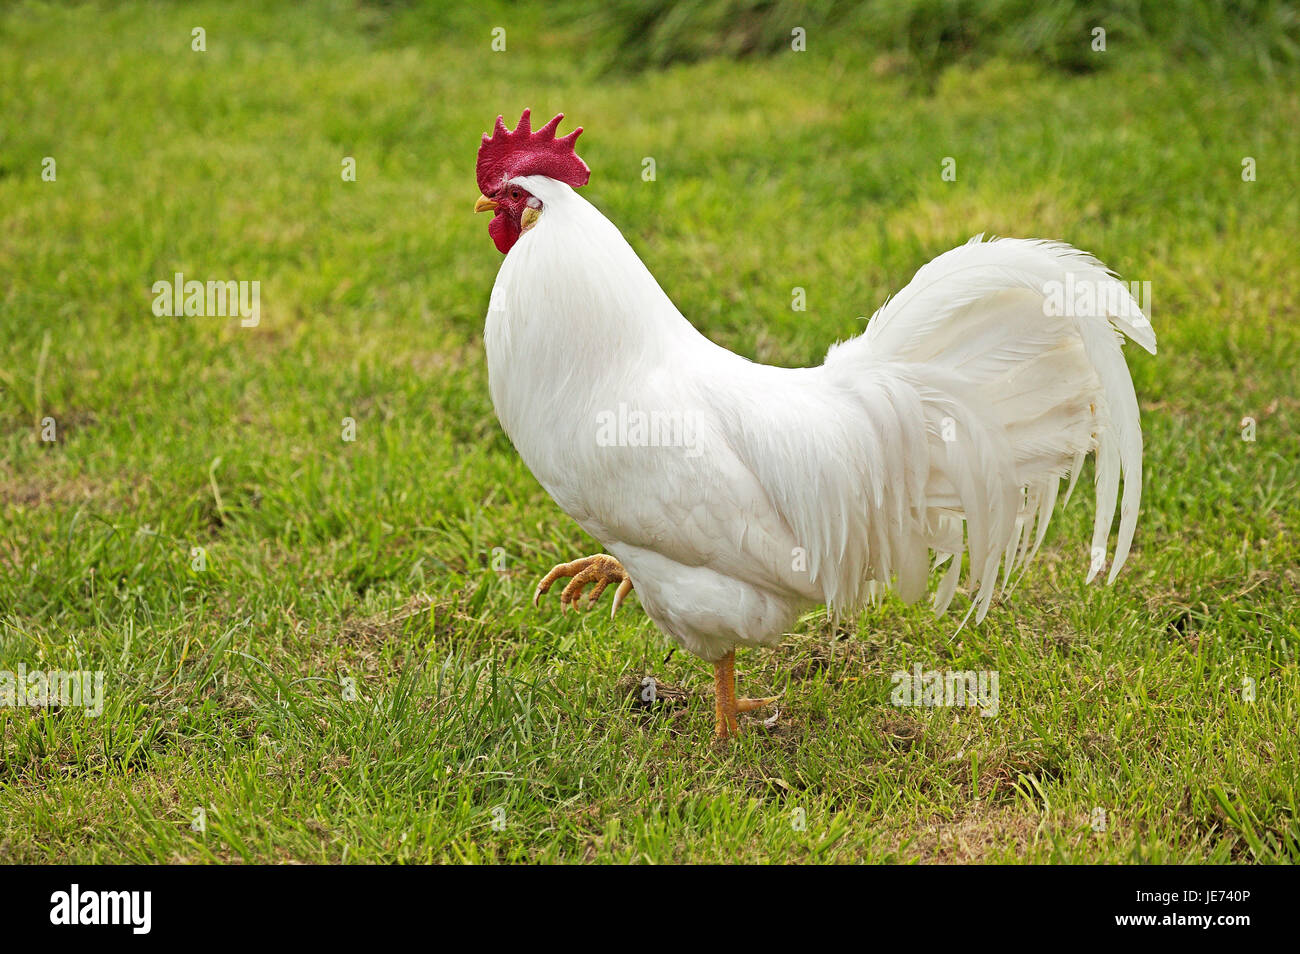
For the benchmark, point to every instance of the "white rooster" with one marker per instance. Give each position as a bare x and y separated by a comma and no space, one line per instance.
737,495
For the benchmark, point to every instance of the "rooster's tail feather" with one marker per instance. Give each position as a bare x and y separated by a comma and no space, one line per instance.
1013,349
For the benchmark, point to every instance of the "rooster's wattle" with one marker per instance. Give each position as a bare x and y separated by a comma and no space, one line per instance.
736,495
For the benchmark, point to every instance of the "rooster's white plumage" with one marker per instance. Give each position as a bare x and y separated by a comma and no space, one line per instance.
942,431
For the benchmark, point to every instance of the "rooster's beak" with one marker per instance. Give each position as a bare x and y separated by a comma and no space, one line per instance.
484,204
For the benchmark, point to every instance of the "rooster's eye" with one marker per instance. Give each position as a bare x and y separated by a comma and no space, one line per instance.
514,194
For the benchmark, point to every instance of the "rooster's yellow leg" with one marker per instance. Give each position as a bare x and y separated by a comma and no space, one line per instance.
725,704
599,569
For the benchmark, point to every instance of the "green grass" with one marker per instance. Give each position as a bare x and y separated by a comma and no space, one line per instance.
404,561
925,36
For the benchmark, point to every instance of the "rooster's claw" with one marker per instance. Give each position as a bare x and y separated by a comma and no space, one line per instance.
600,569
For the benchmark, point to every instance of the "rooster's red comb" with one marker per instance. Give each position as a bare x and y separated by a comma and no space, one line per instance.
523,152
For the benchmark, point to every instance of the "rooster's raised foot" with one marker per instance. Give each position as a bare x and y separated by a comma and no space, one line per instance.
600,569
